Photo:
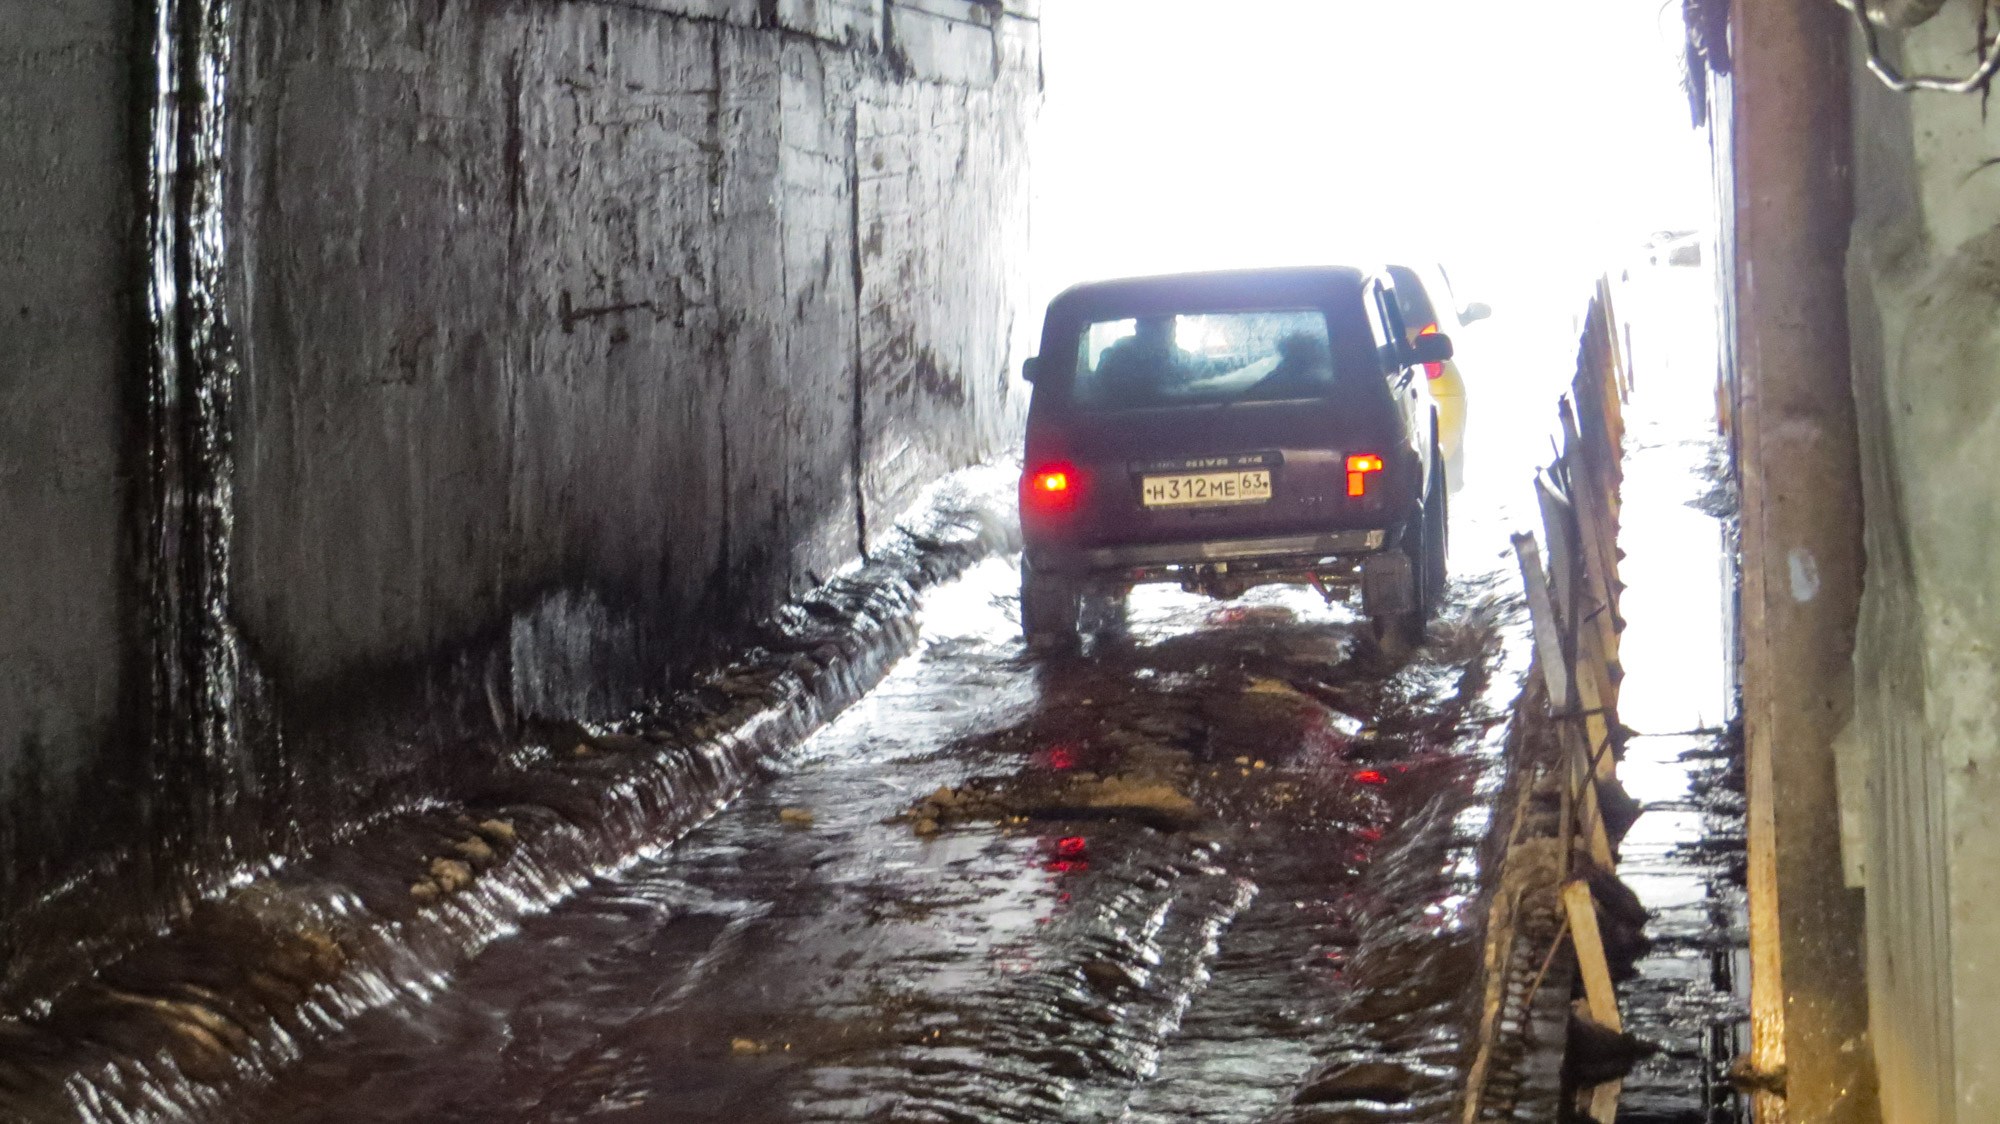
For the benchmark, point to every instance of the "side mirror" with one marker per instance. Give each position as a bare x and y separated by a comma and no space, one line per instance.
1432,348
1477,310
1030,367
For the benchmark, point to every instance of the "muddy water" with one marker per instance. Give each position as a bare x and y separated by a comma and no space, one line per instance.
1217,867
1684,857
1223,848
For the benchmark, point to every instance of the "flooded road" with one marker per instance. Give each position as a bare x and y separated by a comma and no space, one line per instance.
1219,865
1169,880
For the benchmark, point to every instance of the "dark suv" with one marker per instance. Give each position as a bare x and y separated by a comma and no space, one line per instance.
1226,430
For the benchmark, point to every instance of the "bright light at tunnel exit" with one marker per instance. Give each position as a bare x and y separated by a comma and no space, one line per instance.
1526,153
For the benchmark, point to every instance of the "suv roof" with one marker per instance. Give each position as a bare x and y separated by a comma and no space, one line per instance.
1219,289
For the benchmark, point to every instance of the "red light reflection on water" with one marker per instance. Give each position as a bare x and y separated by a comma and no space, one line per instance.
1060,756
1370,776
1072,854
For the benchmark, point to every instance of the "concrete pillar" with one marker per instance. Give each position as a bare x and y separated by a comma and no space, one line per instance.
1802,556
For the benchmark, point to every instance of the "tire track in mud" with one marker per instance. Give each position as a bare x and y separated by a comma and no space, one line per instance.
1212,863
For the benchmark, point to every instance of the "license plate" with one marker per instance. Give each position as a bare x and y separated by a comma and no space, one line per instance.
1206,488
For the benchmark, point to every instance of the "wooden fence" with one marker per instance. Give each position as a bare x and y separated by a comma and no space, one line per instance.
1542,913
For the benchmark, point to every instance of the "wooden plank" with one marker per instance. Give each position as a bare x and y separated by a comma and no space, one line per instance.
1499,937
1564,555
1604,1101
1559,532
1600,549
1542,616
1590,959
1593,682
1557,678
1591,483
1593,697
1589,815
1598,992
1621,361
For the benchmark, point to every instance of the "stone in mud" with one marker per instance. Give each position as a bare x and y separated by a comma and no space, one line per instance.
753,684
1165,726
1071,1064
308,954
499,831
1122,792
1595,1053
1108,977
747,1046
451,875
1381,1082
426,891
796,817
276,993
199,1054
1152,760
621,743
474,849
1100,1014
201,1041
924,825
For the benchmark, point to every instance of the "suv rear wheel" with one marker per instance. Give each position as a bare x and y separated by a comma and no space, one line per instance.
1437,537
1424,540
1050,605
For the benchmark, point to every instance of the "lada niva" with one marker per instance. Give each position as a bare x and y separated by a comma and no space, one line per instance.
1227,430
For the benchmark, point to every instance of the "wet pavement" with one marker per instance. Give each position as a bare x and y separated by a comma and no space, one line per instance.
1166,880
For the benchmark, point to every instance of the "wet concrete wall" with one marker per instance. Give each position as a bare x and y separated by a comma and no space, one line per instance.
550,344
1920,769
68,294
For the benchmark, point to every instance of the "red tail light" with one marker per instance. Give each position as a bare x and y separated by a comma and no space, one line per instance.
1051,488
1358,468
1431,370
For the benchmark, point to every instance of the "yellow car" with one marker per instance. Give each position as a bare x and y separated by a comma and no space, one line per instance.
1415,289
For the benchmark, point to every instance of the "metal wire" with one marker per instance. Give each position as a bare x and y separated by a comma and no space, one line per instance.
1976,82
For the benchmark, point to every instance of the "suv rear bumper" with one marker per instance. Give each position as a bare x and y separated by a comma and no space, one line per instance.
1285,550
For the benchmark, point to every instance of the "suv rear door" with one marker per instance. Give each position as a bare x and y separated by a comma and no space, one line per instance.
1412,396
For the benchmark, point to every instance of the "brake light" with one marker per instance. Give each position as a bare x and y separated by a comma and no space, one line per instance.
1051,488
1431,370
1358,468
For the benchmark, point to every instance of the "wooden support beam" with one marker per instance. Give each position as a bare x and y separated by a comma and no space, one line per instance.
1598,992
1597,538
1591,962
1556,677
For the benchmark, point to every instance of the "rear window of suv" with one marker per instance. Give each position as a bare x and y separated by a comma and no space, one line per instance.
1203,358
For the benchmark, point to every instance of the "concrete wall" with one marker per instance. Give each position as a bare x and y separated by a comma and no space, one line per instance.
562,340
69,283
1920,777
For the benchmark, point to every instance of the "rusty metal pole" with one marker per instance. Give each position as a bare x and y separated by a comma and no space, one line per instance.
1798,461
